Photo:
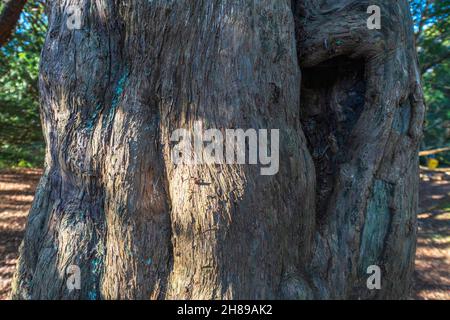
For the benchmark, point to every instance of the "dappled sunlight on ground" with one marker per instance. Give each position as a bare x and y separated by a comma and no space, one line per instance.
16,194
432,276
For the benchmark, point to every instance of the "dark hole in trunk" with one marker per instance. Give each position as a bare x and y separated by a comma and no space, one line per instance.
333,98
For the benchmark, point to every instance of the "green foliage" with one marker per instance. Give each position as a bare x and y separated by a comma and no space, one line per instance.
432,25
21,141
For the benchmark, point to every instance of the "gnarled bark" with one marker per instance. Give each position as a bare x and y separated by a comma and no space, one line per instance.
362,111
112,202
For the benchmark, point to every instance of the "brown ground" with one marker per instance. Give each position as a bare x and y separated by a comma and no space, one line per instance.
16,194
432,276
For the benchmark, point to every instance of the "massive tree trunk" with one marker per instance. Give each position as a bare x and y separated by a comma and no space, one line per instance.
347,101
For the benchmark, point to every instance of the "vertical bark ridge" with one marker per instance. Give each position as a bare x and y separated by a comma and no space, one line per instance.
223,73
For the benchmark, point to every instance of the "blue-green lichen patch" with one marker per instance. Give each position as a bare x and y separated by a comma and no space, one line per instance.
402,118
116,99
148,262
377,223
93,119
96,266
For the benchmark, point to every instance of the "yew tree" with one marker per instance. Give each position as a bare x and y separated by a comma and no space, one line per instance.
346,98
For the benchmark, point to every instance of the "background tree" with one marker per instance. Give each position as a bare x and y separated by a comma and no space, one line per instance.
112,202
10,11
21,140
432,28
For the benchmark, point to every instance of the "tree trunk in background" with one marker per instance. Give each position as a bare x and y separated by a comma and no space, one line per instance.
9,17
112,202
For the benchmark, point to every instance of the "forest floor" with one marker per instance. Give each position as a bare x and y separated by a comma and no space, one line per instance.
16,194
432,275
